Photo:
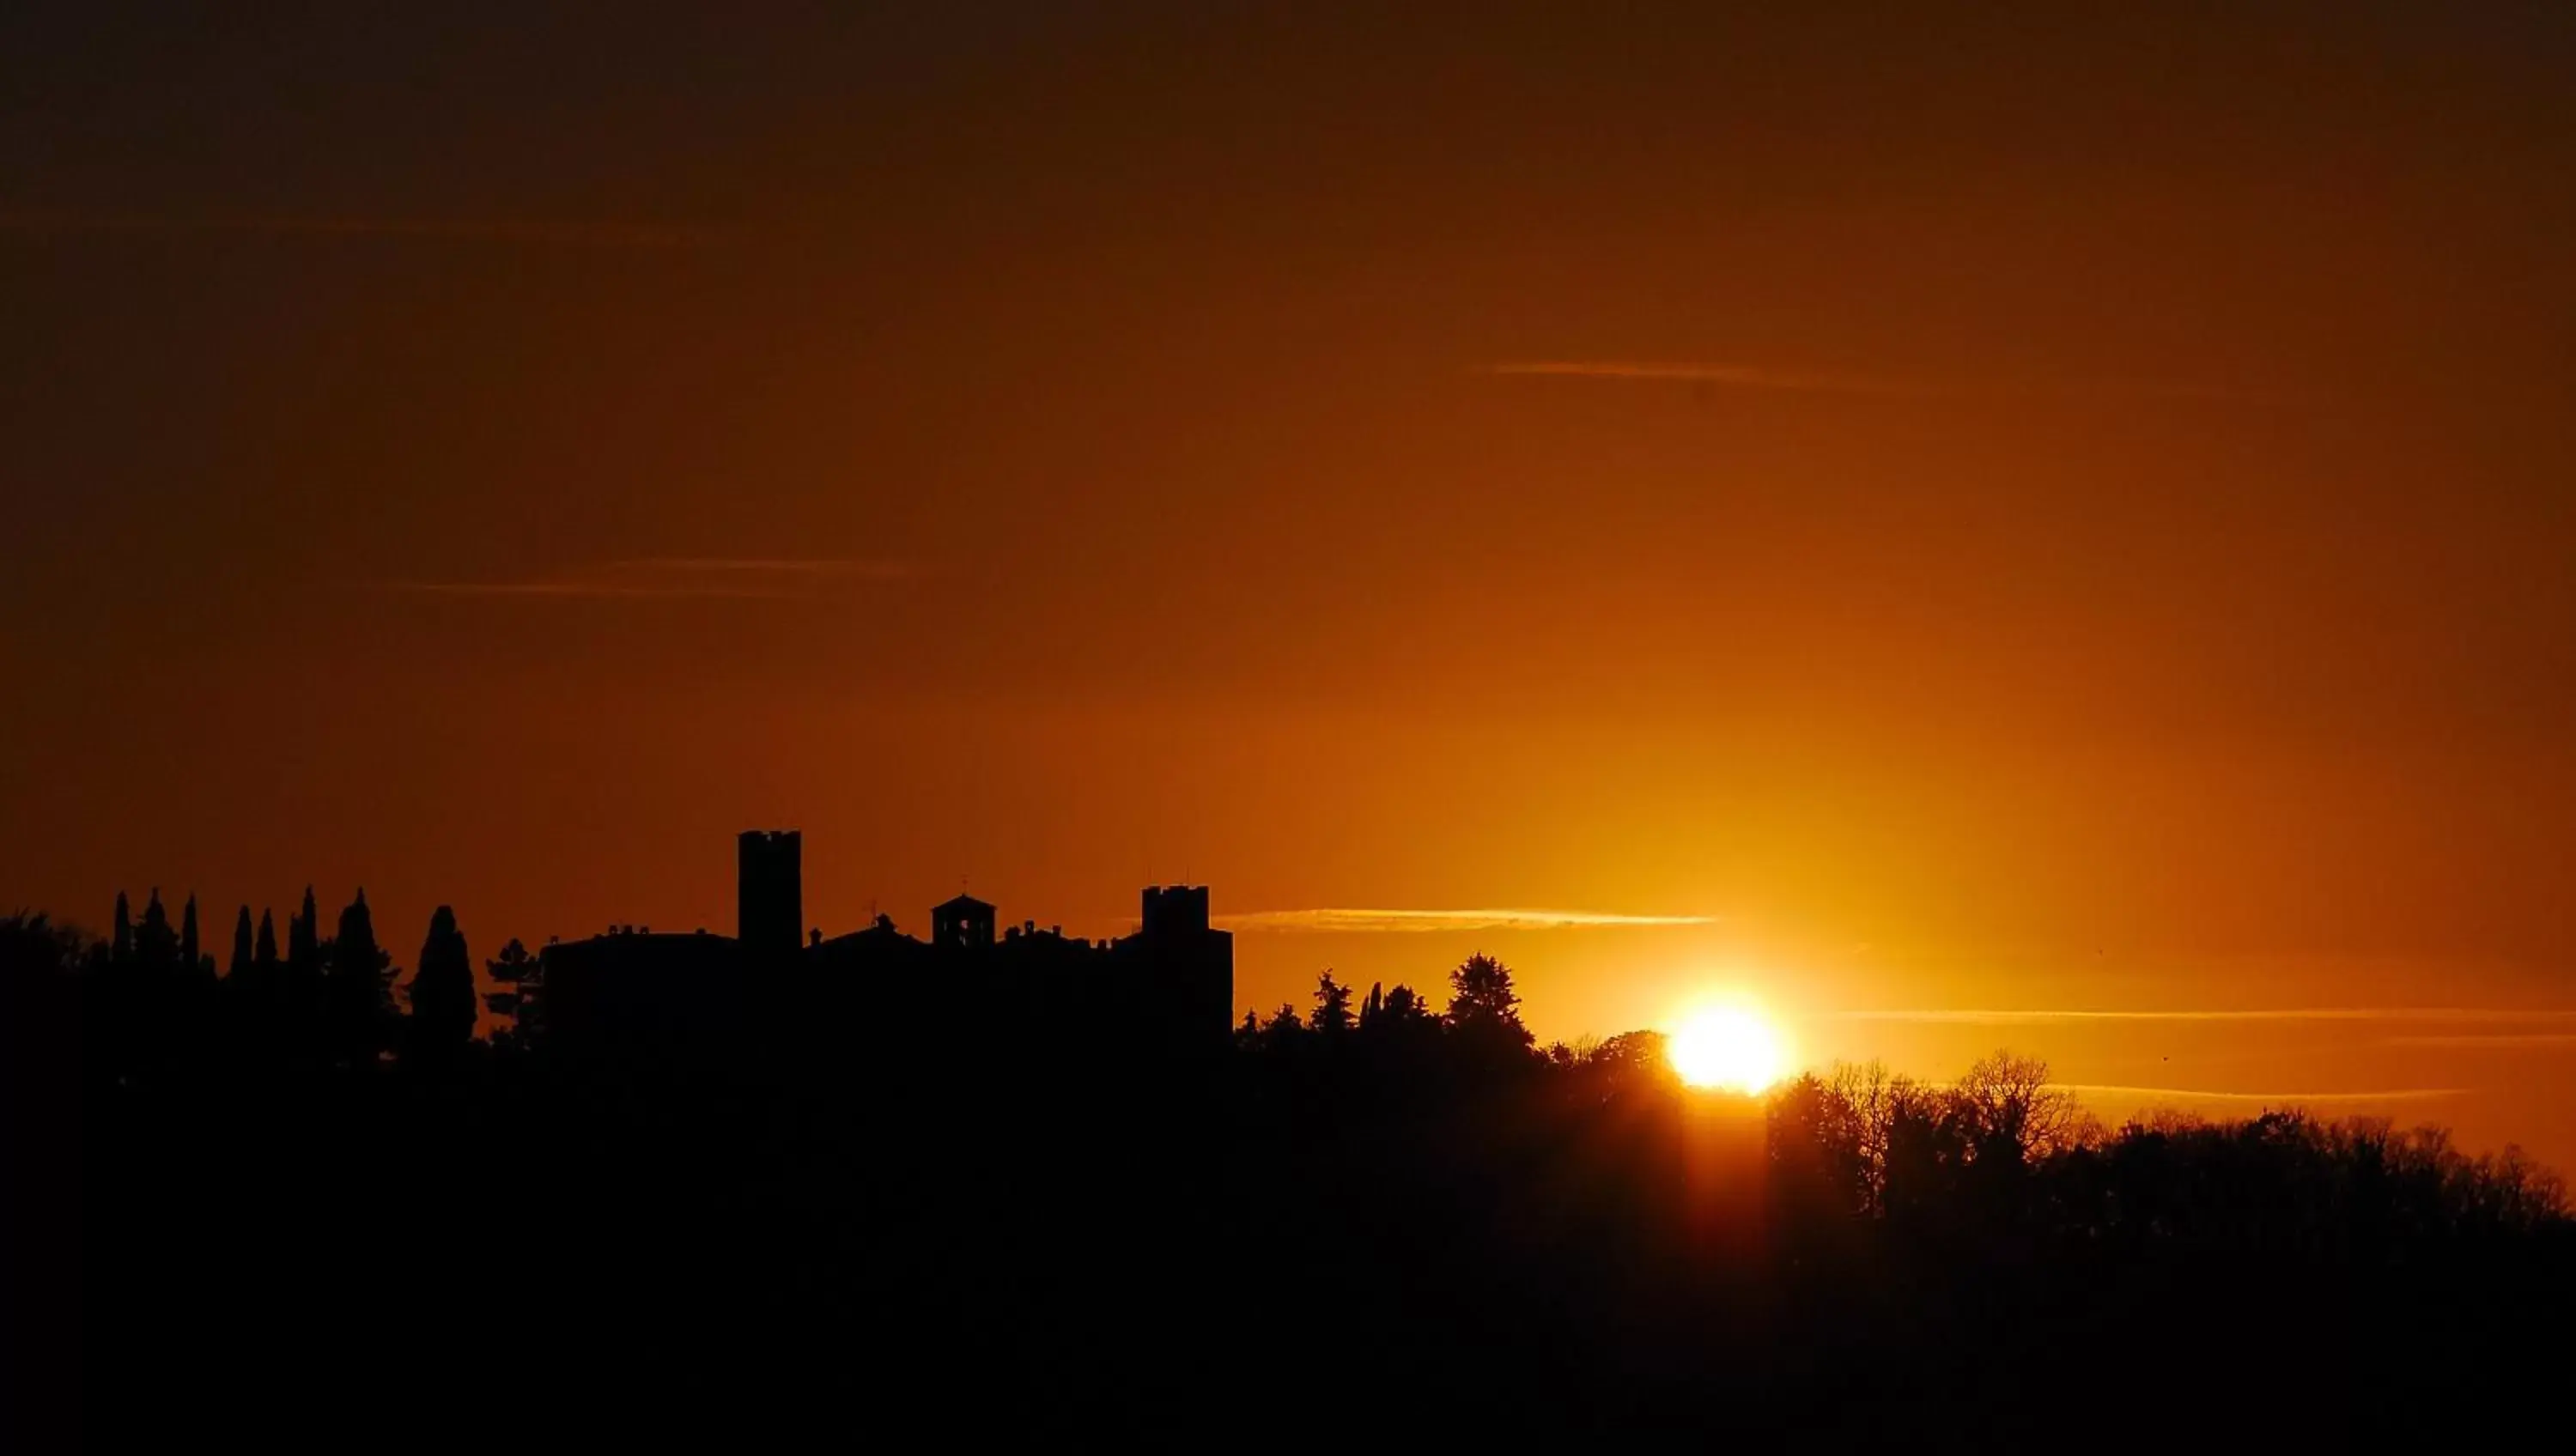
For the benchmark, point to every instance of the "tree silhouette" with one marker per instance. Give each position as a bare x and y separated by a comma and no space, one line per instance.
121,947
2010,1114
188,944
156,942
1373,1003
1633,1057
1911,1229
239,967
1332,1018
357,986
304,944
1283,1031
1399,1033
1480,990
32,945
1403,1009
442,991
1484,1009
523,978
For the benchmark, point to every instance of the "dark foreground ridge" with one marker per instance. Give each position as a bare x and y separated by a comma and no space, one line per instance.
1001,1187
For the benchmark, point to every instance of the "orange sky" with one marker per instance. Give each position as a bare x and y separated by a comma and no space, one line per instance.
2026,514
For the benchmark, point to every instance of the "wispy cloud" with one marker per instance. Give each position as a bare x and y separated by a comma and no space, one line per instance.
1737,376
598,589
2423,1014
1827,381
2266,1099
2489,1040
1364,922
716,578
863,568
518,231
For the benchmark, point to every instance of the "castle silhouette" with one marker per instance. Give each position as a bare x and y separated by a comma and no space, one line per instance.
1166,989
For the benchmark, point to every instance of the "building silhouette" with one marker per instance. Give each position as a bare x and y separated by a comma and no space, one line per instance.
1167,989
964,923
632,990
770,891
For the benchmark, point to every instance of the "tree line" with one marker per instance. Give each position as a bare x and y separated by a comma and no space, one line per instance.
2001,1153
285,1130
2001,1150
158,1002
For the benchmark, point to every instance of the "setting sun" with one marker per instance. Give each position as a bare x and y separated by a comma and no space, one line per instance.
1732,1047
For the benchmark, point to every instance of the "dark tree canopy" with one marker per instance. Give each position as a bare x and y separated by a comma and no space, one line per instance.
243,954
442,990
304,942
358,985
1332,1016
156,941
1576,1220
1483,1003
1403,1007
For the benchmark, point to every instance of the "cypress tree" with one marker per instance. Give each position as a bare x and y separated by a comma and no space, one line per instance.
188,946
242,945
355,985
265,956
301,988
156,945
355,948
442,990
121,948
303,942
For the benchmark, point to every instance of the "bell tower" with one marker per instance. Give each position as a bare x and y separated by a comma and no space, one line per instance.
770,891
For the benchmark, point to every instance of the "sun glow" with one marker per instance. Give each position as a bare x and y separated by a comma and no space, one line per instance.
1732,1047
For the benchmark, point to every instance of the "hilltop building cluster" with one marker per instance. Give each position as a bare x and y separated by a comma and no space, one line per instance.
1168,986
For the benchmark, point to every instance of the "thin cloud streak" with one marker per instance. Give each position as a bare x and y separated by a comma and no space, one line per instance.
1738,376
2435,1014
1369,922
702,577
2269,1099
2492,1040
872,570
1812,381
584,589
511,231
